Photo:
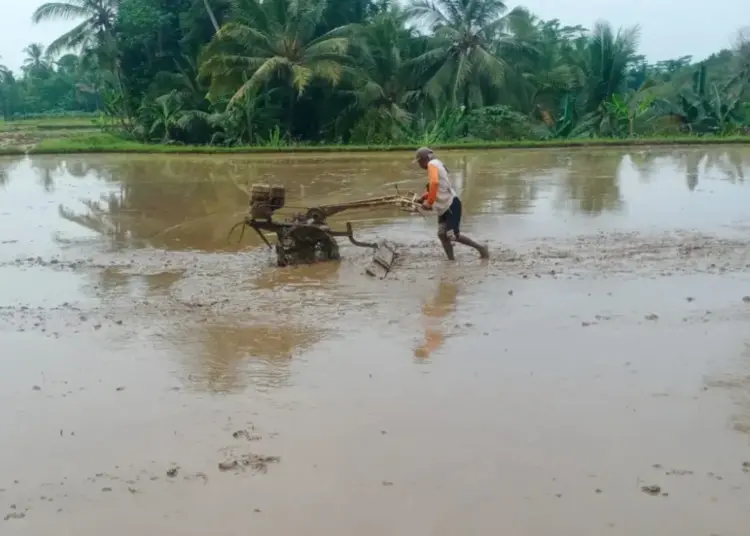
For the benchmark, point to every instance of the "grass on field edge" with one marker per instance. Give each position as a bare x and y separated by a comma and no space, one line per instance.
109,143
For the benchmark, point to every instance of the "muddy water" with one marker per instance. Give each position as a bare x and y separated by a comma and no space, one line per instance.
603,348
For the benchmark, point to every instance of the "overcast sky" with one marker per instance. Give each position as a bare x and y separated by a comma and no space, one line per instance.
669,28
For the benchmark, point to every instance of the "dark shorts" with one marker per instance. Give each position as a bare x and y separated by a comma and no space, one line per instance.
451,218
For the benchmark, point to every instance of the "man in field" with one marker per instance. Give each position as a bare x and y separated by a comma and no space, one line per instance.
443,199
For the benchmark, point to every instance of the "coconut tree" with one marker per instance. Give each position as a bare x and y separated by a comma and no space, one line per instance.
211,15
466,36
383,91
603,59
8,90
543,73
274,40
98,18
93,34
36,58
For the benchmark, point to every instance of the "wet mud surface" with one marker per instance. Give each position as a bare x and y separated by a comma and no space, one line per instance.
592,377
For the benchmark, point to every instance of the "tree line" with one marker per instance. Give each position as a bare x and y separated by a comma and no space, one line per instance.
368,72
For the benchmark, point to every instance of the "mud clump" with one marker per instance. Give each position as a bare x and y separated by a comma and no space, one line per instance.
257,463
228,465
651,490
14,515
679,472
246,434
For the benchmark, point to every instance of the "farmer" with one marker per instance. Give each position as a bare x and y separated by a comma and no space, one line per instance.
441,197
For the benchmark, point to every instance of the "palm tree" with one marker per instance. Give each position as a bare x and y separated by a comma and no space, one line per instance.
7,89
98,19
600,64
94,33
466,36
606,61
383,92
36,58
543,74
274,39
67,64
211,15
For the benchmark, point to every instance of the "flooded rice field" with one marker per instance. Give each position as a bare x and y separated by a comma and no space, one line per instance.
592,377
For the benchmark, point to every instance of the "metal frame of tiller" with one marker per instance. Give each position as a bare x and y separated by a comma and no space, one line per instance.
306,237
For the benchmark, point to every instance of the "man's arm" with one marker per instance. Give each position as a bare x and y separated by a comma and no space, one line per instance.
432,188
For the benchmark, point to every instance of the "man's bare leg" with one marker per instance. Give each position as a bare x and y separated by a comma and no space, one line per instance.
466,241
445,241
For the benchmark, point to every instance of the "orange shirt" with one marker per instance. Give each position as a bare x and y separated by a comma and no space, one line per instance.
440,192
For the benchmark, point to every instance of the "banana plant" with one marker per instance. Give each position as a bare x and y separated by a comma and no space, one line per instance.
447,125
165,114
625,110
710,108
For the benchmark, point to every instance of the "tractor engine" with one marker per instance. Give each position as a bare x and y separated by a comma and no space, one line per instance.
265,200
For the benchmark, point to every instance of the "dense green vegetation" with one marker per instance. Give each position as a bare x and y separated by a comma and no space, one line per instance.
280,72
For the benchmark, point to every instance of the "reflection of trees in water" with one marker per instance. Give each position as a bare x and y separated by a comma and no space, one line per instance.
731,163
46,169
228,357
105,217
510,179
690,163
645,164
592,182
166,202
186,202
7,165
233,348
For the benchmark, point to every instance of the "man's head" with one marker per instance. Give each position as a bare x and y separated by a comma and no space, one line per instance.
424,155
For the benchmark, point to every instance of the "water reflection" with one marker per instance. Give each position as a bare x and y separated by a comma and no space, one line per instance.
441,304
174,204
225,350
226,357
112,282
106,216
690,162
738,386
731,164
592,183
645,163
187,202
7,165
47,170
510,182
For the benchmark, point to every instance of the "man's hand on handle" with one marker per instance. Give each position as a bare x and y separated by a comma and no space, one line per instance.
423,201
